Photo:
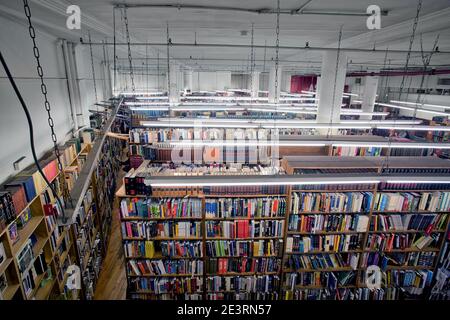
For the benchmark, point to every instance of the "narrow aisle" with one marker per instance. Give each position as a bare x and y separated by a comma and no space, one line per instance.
112,283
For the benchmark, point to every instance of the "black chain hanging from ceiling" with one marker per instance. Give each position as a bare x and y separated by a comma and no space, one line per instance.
426,59
168,62
411,42
47,105
277,51
130,60
252,63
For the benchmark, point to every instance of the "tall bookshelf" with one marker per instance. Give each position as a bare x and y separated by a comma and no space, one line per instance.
37,250
335,269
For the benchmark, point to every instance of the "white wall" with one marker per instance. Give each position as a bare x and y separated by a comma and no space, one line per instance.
14,133
209,81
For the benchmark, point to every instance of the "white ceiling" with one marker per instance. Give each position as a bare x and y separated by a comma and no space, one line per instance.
218,26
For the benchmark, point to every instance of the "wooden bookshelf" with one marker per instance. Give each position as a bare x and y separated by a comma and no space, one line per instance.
38,227
374,164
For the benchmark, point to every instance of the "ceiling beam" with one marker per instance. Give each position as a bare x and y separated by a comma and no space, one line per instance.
245,46
298,11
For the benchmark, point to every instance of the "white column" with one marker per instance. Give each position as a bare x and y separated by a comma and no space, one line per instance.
318,86
369,96
255,84
329,110
174,96
188,79
274,96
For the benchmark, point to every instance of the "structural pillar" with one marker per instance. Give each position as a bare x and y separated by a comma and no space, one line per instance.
255,84
188,80
369,96
332,83
274,96
173,83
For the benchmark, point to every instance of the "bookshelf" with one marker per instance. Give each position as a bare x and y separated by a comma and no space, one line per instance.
35,250
317,247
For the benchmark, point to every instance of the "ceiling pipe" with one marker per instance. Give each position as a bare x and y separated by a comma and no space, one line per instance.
246,46
399,73
299,11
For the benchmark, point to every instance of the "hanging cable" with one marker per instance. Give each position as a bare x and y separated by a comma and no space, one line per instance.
47,106
31,131
411,42
130,60
264,61
168,60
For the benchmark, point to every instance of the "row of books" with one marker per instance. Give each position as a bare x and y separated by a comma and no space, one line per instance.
331,202
243,265
330,280
248,248
152,229
247,190
323,261
357,151
265,283
384,186
300,171
343,294
262,296
405,278
389,242
182,248
145,136
325,243
383,260
334,187
7,210
164,267
163,208
420,222
167,285
245,228
329,223
411,201
245,207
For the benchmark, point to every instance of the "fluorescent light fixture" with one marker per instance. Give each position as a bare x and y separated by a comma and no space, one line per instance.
309,92
399,145
362,113
357,101
245,143
283,110
266,182
155,108
413,109
381,122
415,128
421,104
347,94
153,98
132,103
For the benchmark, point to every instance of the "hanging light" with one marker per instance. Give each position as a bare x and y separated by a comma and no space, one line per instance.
413,109
421,104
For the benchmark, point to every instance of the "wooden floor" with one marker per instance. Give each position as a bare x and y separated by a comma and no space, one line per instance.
112,283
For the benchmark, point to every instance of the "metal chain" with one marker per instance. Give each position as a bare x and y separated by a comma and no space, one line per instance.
157,66
252,63
264,61
168,61
277,49
411,41
93,68
44,92
130,60
426,62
